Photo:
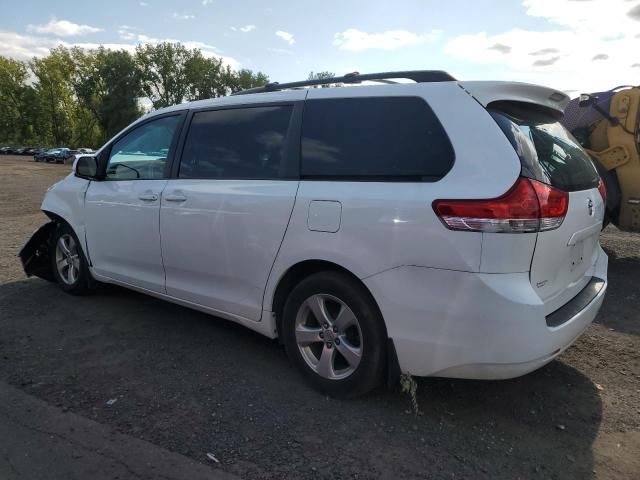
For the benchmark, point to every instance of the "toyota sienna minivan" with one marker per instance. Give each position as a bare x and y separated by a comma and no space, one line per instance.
425,226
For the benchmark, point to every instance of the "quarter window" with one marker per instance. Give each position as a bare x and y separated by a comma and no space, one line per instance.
142,153
238,143
374,138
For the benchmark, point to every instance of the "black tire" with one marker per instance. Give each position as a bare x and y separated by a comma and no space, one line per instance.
82,281
614,196
372,364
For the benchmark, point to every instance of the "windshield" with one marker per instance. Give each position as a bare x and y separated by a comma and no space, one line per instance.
548,152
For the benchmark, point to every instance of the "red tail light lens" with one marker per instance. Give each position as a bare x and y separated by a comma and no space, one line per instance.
529,206
603,191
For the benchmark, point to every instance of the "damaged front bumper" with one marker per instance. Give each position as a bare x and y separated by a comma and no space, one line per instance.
36,253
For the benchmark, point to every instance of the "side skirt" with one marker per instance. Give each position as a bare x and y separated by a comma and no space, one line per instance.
265,326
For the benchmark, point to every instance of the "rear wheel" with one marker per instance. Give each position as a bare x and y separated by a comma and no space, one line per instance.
334,333
70,267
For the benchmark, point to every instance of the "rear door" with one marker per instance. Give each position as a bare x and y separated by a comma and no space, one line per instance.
563,256
223,216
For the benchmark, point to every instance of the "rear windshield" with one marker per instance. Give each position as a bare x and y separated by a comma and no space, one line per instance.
547,151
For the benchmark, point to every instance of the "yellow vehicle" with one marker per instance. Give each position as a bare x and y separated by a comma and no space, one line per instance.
606,124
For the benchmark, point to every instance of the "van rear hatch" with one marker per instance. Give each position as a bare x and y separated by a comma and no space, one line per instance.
564,256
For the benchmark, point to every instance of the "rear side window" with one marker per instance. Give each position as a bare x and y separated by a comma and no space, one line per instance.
374,138
238,143
547,151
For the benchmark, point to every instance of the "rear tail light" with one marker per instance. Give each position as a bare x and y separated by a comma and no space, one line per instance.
603,191
529,206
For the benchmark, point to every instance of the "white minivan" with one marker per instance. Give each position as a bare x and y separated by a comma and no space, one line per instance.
423,225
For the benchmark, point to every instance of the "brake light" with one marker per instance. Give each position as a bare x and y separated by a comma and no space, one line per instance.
528,206
603,191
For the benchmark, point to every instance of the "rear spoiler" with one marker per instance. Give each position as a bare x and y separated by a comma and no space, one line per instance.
489,92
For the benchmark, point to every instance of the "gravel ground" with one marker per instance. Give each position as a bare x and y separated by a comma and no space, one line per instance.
195,384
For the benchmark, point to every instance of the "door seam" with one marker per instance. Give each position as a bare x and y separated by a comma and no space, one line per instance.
275,258
164,270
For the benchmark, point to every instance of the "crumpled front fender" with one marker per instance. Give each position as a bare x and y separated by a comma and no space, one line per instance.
35,255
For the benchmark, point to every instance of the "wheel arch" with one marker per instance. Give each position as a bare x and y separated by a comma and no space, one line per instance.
301,270
77,229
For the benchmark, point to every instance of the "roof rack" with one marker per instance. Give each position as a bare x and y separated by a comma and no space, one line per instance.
418,76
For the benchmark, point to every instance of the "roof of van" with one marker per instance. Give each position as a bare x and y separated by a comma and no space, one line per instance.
485,92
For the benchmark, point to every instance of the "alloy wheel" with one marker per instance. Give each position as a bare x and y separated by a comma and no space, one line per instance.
328,336
67,259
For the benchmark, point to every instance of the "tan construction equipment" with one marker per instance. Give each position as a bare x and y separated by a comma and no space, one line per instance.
607,126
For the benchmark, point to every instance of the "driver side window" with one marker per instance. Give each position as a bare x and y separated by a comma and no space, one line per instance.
142,153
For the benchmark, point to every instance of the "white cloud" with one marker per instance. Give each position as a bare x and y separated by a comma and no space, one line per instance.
579,53
63,28
283,51
183,16
206,2
357,41
126,33
245,29
144,4
25,47
286,36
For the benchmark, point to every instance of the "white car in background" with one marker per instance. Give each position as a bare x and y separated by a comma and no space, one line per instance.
439,228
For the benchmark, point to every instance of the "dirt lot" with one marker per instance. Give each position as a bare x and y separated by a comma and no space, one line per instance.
196,384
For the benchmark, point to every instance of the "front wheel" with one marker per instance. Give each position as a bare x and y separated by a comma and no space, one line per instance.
334,332
70,268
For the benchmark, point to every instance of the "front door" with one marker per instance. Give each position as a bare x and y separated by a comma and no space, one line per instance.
123,210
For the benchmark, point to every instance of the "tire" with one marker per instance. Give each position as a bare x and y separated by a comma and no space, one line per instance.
70,267
318,351
614,197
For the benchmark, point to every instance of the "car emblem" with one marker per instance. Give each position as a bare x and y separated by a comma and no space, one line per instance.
590,207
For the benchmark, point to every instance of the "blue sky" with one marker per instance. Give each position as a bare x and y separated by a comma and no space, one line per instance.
571,45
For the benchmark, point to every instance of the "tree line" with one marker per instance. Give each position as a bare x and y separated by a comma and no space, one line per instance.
81,98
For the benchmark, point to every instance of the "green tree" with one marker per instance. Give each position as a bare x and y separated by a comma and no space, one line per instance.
206,77
13,78
163,70
245,78
55,94
321,76
107,84
79,98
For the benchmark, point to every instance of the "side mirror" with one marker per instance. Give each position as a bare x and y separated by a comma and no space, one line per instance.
86,167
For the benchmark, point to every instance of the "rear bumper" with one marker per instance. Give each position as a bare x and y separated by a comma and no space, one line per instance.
473,325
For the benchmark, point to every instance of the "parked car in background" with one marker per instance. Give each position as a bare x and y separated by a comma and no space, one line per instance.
58,155
415,227
5,150
79,152
41,155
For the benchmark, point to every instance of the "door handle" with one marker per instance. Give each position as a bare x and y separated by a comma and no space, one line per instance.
148,197
175,198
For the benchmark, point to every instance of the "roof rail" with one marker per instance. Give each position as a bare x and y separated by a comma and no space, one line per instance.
418,76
